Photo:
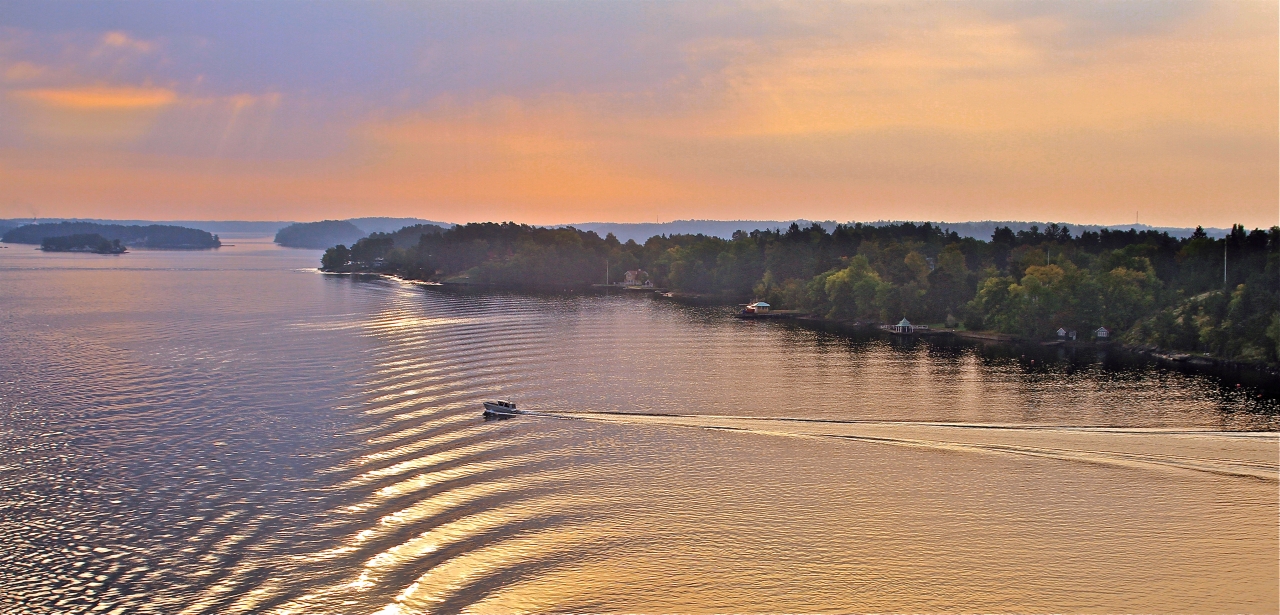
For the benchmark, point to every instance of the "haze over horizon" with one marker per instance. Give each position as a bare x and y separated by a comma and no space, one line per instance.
630,112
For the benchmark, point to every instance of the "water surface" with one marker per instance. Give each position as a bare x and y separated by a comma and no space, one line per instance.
231,431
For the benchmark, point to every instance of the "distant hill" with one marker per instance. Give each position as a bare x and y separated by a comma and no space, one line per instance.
239,227
319,235
391,225
329,233
724,229
152,236
622,230
408,236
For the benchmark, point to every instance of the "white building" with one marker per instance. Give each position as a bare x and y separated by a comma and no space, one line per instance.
636,277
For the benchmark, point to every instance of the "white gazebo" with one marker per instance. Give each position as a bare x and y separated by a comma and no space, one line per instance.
904,326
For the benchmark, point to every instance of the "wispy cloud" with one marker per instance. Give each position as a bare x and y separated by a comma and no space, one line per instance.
99,97
557,112
121,40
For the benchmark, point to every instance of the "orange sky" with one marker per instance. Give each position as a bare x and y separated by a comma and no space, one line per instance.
555,113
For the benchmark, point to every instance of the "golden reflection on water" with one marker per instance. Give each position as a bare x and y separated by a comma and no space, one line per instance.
316,447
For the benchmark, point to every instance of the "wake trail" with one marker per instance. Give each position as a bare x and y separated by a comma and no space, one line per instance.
1253,455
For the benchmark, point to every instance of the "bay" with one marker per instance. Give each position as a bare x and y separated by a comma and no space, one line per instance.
233,432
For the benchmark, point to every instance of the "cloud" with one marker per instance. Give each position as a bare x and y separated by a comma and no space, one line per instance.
100,97
121,40
142,118
23,71
555,113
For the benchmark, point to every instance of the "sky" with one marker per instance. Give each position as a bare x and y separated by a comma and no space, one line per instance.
559,112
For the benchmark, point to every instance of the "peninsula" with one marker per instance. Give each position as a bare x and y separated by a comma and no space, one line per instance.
1145,288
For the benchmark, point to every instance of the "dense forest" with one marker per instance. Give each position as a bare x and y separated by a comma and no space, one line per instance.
1148,287
152,236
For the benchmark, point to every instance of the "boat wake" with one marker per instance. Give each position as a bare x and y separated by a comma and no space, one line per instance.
1239,454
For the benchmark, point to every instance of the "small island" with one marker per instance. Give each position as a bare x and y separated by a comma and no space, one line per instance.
319,235
85,242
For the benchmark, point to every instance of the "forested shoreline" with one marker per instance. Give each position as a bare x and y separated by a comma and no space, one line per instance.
90,242
1147,287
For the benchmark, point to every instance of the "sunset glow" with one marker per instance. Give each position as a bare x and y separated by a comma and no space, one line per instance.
556,113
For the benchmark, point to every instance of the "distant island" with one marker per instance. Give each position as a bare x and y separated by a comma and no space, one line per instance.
319,235
90,242
152,237
328,233
1144,288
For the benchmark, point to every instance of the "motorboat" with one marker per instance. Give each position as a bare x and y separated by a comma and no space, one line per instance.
500,408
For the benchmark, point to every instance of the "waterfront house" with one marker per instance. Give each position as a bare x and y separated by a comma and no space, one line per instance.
636,277
1102,333
758,307
1062,333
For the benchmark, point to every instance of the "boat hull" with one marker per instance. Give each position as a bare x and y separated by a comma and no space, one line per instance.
492,409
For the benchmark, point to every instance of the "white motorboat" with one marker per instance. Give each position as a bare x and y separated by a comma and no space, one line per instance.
500,408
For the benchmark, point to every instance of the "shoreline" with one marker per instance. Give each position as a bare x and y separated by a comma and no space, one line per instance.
1171,358
1168,358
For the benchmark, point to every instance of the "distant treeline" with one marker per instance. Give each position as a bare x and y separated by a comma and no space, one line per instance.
979,229
91,242
1148,287
328,233
153,236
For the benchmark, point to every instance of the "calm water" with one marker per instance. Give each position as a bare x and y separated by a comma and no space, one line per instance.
232,432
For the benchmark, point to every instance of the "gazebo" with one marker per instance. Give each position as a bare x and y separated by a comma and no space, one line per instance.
903,326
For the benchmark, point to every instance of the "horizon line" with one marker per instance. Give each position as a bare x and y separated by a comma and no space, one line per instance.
881,221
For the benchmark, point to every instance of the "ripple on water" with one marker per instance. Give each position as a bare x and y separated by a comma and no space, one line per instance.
273,440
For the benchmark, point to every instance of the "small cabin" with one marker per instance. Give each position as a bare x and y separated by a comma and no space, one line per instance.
1102,333
758,307
1062,333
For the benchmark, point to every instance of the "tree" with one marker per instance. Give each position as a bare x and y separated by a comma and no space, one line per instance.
336,258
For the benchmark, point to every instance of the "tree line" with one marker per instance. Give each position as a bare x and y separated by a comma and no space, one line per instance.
91,242
1147,286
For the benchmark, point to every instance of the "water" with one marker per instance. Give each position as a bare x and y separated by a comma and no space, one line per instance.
232,432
